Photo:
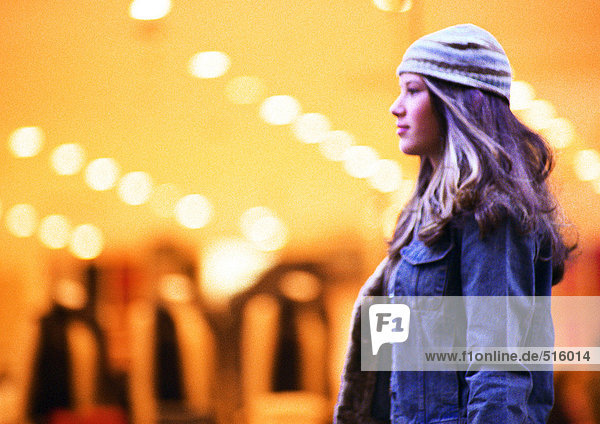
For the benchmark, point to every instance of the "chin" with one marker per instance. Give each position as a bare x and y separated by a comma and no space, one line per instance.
407,150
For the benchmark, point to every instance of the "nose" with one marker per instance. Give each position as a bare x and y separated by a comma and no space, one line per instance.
397,108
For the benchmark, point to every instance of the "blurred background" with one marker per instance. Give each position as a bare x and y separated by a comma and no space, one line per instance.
212,181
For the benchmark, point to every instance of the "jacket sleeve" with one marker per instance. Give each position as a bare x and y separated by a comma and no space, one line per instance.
355,397
500,265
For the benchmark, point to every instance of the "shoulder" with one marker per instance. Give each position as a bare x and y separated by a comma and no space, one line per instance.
470,224
503,235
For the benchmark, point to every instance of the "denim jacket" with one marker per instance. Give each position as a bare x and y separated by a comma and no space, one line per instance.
462,263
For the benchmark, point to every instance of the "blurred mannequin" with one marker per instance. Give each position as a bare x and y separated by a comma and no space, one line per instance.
70,378
283,337
172,348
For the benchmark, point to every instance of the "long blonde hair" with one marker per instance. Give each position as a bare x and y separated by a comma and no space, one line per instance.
491,165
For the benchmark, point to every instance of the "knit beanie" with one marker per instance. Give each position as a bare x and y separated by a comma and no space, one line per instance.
463,54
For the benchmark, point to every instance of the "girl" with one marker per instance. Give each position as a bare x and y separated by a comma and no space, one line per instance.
481,222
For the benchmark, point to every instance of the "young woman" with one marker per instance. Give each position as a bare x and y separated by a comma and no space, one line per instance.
481,222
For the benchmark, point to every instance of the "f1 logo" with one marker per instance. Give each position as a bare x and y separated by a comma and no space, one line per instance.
389,323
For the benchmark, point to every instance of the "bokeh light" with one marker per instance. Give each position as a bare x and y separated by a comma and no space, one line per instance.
26,142
587,165
279,110
175,288
399,197
55,231
361,161
149,10
67,159
209,64
102,174
300,286
539,114
70,294
86,242
334,144
244,90
387,176
560,132
596,185
263,229
135,188
393,5
21,220
193,211
164,198
521,95
311,127
231,265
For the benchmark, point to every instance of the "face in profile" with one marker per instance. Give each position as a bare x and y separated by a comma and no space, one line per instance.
418,126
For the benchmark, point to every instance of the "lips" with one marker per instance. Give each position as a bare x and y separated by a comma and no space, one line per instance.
402,129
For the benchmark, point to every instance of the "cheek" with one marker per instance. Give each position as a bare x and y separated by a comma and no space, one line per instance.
433,131
429,127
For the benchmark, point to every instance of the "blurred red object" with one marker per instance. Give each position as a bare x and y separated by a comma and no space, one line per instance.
97,415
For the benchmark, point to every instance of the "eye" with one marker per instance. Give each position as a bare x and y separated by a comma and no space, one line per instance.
412,90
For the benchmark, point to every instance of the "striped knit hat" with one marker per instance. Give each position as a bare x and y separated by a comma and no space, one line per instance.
463,54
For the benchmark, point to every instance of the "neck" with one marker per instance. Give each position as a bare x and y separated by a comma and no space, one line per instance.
434,160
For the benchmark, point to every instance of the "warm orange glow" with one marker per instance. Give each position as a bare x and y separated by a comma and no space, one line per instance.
21,220
26,142
393,5
539,114
596,185
67,159
209,64
54,231
193,211
70,294
279,110
398,200
263,229
164,199
270,234
388,221
244,90
560,132
387,176
587,164
311,127
88,76
230,266
361,161
250,216
148,10
300,286
175,288
521,95
135,188
86,242
102,174
334,144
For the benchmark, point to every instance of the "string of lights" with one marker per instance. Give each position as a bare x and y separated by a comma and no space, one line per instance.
259,225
